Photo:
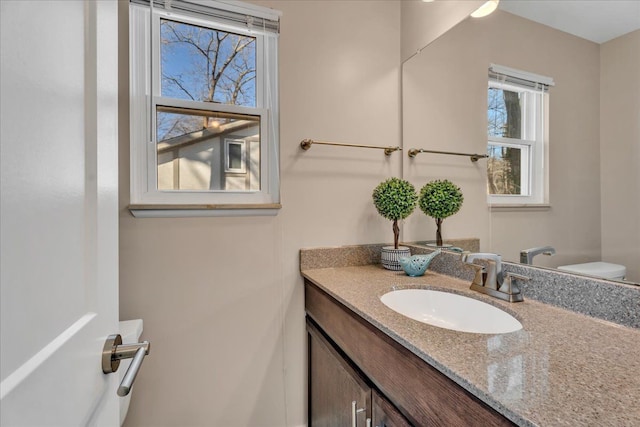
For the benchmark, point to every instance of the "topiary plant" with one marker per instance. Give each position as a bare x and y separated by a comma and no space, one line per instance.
395,199
440,199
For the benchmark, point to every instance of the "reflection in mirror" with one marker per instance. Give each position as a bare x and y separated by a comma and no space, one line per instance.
592,145
517,134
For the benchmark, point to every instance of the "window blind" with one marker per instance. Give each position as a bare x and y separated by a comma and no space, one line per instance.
260,18
526,79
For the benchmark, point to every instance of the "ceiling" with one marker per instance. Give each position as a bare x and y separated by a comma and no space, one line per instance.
595,20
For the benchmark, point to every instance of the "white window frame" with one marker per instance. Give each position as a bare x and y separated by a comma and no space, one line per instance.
144,192
534,145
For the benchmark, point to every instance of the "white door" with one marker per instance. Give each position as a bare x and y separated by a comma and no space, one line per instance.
59,225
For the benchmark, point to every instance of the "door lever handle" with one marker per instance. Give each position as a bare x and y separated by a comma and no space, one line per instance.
114,351
132,372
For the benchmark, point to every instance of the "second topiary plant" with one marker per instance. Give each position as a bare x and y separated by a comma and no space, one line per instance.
394,199
440,199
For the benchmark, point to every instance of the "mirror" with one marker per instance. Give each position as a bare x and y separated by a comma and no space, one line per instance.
593,150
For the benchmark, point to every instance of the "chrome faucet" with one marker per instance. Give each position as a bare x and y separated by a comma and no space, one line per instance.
526,255
490,280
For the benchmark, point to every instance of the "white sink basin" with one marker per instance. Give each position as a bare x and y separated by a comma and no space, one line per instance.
450,311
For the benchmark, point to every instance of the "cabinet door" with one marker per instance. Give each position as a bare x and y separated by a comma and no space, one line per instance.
384,414
333,387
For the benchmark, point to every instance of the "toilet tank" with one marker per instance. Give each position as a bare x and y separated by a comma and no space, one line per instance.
130,330
606,270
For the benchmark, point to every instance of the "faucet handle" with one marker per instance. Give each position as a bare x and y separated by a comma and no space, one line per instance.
517,276
508,286
480,270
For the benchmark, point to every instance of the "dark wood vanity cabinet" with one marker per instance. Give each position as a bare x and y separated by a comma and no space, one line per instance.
384,414
351,360
333,386
339,394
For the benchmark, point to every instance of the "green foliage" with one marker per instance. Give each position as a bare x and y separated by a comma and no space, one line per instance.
440,199
395,198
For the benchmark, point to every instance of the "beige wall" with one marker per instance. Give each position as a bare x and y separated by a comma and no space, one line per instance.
422,22
440,113
620,151
222,298
444,100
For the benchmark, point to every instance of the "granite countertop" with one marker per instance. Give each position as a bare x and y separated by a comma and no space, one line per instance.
562,369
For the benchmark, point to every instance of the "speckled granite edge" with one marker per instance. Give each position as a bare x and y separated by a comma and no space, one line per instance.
602,299
355,255
340,256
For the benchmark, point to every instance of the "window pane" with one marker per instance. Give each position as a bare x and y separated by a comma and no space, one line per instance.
203,64
235,156
505,169
191,150
504,113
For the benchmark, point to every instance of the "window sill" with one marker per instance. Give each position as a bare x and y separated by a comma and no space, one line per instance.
520,207
191,211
